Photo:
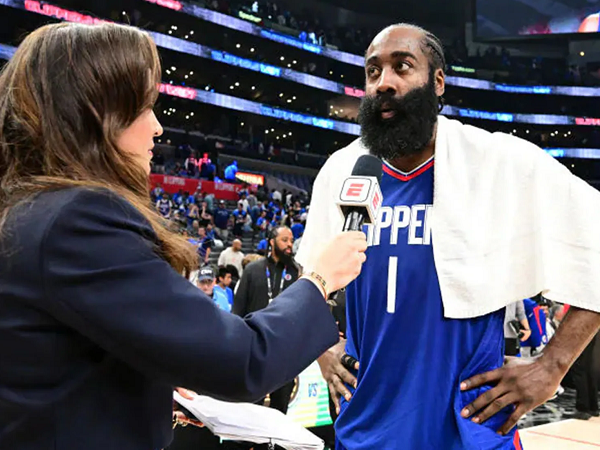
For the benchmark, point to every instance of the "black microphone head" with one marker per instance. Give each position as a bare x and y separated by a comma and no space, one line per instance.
368,166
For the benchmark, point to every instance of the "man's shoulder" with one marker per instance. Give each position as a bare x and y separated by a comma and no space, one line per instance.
485,140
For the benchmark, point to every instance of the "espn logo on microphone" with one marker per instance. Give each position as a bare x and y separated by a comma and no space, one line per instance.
361,192
356,190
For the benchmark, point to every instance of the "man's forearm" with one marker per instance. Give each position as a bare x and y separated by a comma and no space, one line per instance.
576,331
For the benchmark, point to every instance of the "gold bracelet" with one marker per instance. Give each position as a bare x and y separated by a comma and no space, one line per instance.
320,281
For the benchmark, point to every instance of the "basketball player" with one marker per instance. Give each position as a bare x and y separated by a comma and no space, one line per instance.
424,380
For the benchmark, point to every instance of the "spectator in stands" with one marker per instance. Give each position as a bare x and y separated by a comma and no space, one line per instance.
233,256
205,215
193,213
244,202
261,282
157,192
222,293
252,200
221,219
231,171
239,217
276,196
262,247
235,276
177,198
205,246
191,164
194,230
210,201
216,239
262,224
297,228
164,205
206,281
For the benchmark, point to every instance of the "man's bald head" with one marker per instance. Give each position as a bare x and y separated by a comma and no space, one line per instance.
430,45
236,245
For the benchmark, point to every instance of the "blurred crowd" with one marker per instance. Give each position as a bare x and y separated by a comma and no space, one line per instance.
216,227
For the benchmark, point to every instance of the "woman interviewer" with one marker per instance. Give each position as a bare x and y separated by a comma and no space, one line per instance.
96,323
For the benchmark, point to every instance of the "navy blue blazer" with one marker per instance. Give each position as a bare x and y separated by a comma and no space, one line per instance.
96,329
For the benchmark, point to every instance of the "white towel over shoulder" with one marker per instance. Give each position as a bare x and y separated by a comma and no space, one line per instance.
508,222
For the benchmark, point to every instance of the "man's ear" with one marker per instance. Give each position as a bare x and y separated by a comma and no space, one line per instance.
440,82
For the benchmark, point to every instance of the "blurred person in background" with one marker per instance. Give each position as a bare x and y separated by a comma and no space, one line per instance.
276,195
239,220
516,328
231,171
261,282
90,270
164,205
244,202
193,214
207,282
262,246
194,230
538,319
235,276
211,233
233,255
224,280
210,202
206,216
205,246
262,225
297,227
221,219
157,192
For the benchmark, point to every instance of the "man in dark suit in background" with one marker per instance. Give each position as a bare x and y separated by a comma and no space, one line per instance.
261,282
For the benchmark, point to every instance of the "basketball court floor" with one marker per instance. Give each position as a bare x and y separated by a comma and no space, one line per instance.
550,428
566,435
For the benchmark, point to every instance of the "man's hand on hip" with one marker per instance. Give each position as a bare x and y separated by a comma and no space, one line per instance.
336,374
524,382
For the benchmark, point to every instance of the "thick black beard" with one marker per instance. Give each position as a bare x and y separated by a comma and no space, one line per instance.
282,256
409,131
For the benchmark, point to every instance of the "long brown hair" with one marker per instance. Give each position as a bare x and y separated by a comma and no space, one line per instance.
66,95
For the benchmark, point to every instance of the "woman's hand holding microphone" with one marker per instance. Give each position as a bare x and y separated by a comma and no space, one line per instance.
340,262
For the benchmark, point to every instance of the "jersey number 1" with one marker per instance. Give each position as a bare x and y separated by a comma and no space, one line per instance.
391,284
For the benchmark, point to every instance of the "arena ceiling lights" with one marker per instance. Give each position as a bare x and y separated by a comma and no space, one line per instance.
357,60
191,48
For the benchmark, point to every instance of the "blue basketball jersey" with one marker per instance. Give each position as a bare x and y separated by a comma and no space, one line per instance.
412,359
